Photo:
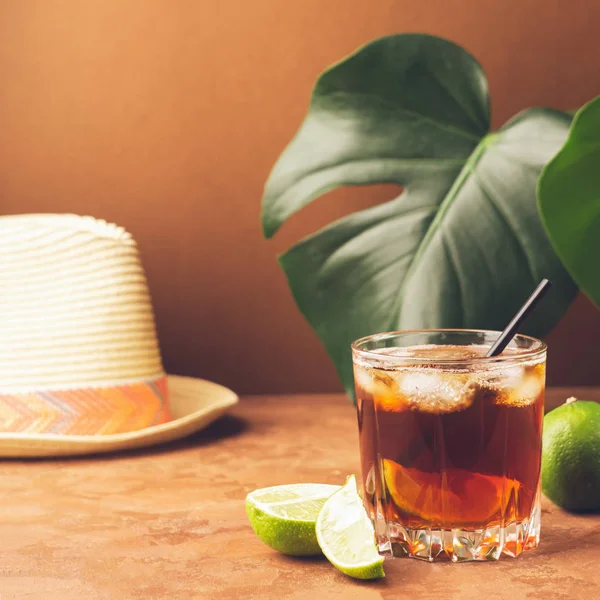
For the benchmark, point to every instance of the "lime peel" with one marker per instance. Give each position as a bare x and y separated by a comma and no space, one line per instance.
284,516
571,456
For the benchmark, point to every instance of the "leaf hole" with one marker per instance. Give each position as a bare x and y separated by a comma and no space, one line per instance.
329,208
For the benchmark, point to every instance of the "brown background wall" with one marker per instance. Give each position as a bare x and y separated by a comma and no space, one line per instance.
165,116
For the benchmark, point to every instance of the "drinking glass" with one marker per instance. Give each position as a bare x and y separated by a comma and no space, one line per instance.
450,442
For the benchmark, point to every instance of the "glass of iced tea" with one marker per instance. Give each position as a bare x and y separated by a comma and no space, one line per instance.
450,442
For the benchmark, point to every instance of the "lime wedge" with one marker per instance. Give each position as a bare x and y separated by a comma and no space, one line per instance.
346,536
284,516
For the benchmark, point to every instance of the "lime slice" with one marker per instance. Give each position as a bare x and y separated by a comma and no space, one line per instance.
284,516
346,536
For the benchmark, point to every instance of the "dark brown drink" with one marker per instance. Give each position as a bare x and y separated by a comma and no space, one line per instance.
451,452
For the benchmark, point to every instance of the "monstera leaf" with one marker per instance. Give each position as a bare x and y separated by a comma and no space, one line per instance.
463,245
569,200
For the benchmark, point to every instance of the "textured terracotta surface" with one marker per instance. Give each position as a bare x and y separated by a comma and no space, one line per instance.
170,523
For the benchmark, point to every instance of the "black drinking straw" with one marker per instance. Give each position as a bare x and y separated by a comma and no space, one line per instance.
511,329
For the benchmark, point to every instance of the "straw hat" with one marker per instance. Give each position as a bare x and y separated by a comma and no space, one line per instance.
80,367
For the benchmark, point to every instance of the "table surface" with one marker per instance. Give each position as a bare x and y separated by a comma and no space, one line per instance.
171,523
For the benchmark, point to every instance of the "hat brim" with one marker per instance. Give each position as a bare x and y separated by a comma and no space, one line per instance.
194,404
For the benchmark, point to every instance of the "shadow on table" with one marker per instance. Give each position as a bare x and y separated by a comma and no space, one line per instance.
555,540
321,560
225,427
228,426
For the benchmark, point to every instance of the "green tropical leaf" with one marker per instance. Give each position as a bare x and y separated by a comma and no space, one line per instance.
463,245
569,200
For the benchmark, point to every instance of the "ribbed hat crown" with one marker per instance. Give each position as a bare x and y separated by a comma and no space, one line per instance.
75,309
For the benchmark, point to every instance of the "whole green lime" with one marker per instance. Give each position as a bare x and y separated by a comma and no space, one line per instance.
571,456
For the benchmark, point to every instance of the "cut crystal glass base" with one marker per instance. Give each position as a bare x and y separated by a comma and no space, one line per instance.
457,545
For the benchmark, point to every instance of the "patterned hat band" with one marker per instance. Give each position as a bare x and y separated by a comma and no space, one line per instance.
86,411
